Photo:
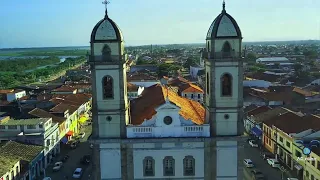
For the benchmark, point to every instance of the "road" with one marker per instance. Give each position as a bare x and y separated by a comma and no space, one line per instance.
262,165
74,160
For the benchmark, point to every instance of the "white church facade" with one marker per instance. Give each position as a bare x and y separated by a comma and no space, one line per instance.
161,135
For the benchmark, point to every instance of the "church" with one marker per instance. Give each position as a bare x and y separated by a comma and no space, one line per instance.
161,135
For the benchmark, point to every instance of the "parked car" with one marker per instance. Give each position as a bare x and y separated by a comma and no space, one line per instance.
91,146
82,135
85,159
65,158
74,143
57,166
47,178
257,174
77,173
253,143
266,155
248,163
273,163
292,179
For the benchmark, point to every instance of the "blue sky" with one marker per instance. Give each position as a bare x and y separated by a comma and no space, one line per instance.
39,23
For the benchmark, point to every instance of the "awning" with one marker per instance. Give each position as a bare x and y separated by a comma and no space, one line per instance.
256,131
69,133
83,119
64,140
298,167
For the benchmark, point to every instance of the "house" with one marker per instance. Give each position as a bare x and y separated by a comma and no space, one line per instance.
21,161
64,90
251,126
142,79
39,131
134,91
180,116
256,83
12,94
312,169
150,67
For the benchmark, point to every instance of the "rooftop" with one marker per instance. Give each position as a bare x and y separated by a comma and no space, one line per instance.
64,89
7,163
259,110
190,88
16,122
143,108
44,114
132,87
10,91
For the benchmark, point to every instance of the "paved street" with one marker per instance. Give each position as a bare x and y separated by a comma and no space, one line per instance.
262,165
74,160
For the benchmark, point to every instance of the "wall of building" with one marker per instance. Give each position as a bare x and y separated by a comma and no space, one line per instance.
12,173
312,168
193,96
15,96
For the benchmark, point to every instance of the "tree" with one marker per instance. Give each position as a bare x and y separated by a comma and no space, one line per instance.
296,50
251,57
310,54
299,71
167,69
190,62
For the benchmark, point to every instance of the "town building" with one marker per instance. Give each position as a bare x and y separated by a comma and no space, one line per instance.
134,91
12,94
138,137
39,131
267,60
20,161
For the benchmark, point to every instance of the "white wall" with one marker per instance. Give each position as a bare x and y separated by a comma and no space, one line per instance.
110,161
194,149
227,160
195,96
15,96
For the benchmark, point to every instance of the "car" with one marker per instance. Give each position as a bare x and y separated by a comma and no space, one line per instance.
257,174
77,173
248,163
57,166
65,158
73,145
91,146
292,179
47,178
266,155
253,143
85,159
82,135
273,163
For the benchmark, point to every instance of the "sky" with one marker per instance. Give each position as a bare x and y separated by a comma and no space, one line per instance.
43,23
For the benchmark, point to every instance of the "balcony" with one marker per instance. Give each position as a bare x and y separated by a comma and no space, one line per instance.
175,131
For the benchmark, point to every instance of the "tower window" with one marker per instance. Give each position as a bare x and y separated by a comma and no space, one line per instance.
148,166
208,83
107,85
226,49
226,85
106,53
208,46
168,166
188,166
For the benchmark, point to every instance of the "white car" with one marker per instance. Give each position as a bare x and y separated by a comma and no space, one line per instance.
253,143
292,179
77,173
57,166
47,178
248,163
273,163
82,135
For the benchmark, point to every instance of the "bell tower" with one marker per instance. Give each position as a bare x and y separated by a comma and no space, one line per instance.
109,86
224,76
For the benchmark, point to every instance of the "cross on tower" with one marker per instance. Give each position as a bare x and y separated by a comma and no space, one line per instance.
106,2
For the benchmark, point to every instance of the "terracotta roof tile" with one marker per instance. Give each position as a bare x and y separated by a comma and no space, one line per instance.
62,107
259,110
132,87
144,107
140,76
250,107
10,91
73,98
262,117
44,114
64,88
190,88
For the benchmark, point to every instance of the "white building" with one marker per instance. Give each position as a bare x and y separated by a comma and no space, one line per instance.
12,95
268,60
161,135
134,91
38,131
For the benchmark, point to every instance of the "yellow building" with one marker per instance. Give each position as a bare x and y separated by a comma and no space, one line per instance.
10,167
312,165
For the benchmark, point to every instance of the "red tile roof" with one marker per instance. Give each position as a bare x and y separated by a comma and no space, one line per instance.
190,88
302,92
132,87
140,77
259,110
10,91
44,114
61,108
64,88
144,107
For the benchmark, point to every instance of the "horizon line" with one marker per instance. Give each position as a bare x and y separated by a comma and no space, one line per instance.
157,44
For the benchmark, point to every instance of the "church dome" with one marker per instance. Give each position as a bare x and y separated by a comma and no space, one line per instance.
106,30
224,26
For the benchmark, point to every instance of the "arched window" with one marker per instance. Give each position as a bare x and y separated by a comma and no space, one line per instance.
208,83
148,166
188,166
107,85
226,49
226,85
168,166
106,53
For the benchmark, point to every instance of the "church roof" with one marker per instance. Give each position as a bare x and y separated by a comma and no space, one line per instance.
224,26
144,107
106,30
